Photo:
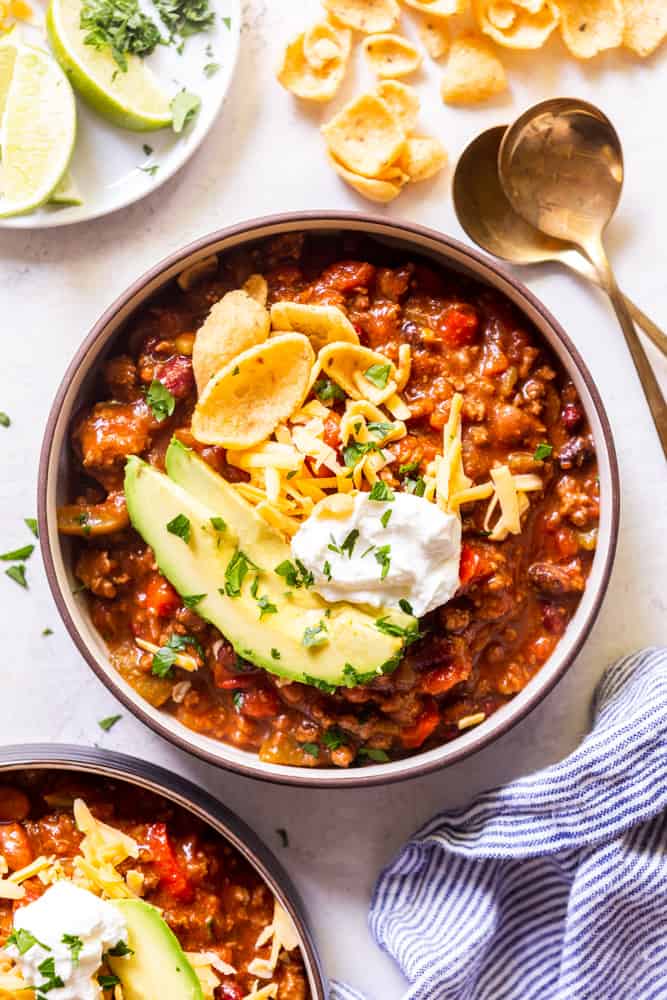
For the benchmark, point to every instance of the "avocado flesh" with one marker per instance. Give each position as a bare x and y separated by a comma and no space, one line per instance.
158,967
274,643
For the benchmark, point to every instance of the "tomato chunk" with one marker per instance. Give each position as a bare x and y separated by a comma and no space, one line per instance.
166,863
260,703
413,736
161,598
444,678
458,326
473,565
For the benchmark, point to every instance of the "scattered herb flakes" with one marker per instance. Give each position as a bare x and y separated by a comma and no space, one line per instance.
31,525
266,607
184,107
333,738
284,839
73,941
23,940
185,17
416,486
148,150
121,26
326,569
321,685
383,557
227,21
291,474
369,549
384,520
17,574
47,631
381,492
120,950
48,970
295,574
237,698
209,51
108,723
163,661
353,453
378,756
378,375
349,542
210,69
275,654
193,600
237,570
405,606
315,635
180,526
355,678
4,420
543,451
380,427
408,468
311,749
152,170
410,632
83,519
23,553
254,588
219,523
327,391
160,400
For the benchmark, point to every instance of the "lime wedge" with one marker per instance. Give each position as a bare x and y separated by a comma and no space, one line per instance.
67,192
38,130
7,59
132,99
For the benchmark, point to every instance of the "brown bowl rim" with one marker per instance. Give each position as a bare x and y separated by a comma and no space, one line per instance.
403,230
197,801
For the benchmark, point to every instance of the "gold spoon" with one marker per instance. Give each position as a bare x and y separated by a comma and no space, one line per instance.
561,166
485,213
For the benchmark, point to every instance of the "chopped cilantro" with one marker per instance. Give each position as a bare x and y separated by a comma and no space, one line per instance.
369,549
193,600
355,678
405,606
315,635
227,21
219,523
236,572
333,738
148,150
383,557
237,698
379,756
319,684
23,940
160,400
543,451
83,519
180,526
295,574
381,492
410,633
152,170
311,749
4,420
326,569
266,607
163,661
47,631
378,375
31,525
275,654
416,486
254,587
120,950
353,453
17,574
119,25
349,542
106,725
327,391
380,427
186,17
48,970
184,107
210,69
384,520
408,468
73,941
23,553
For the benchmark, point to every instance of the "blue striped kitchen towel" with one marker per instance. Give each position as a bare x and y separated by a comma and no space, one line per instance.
554,887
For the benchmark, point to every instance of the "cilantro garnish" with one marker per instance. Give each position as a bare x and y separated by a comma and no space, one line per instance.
165,657
237,699
408,468
73,942
23,553
106,725
311,749
148,150
152,169
219,523
379,756
355,678
185,17
353,453
319,684
327,391
236,572
543,451
384,520
193,600
180,526
119,25
48,970
31,525
349,542
326,569
23,940
295,574
333,738
227,21
4,420
383,557
83,519
410,632
184,107
378,375
120,950
380,427
47,631
17,574
315,635
275,654
210,69
405,606
160,400
381,492
416,486
266,607
369,549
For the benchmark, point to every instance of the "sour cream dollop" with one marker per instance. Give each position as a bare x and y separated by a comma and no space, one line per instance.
65,910
411,540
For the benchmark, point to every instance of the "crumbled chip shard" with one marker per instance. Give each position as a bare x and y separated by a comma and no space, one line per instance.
645,25
517,24
591,26
402,99
423,157
369,16
434,36
391,56
309,82
382,191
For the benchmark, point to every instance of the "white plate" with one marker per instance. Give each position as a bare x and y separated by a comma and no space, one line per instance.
107,161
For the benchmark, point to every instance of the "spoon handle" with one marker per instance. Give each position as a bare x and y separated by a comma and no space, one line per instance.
652,391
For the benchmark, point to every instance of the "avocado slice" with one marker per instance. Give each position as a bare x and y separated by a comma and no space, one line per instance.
304,638
158,966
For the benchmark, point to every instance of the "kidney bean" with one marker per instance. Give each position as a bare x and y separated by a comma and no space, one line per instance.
14,804
572,416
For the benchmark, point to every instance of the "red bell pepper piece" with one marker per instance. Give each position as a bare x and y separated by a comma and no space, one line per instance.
161,598
413,736
262,703
458,326
166,863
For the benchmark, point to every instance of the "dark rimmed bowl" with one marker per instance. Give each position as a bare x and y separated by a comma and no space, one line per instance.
120,767
78,382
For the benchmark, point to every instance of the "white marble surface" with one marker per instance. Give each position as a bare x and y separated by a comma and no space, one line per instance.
265,155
